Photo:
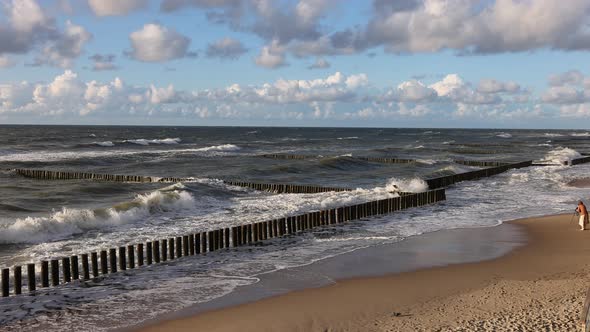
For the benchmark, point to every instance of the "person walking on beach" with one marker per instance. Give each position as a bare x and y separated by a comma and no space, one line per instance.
583,213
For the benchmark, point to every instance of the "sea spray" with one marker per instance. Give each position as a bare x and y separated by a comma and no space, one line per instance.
561,155
412,185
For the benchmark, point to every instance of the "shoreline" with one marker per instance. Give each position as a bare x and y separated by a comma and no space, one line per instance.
554,256
413,253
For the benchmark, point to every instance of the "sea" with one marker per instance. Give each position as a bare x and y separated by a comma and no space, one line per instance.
49,219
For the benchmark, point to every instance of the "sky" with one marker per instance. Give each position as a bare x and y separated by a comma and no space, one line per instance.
335,63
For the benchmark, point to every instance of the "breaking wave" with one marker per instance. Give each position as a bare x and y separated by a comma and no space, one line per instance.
142,141
562,155
412,185
504,135
68,222
221,148
105,143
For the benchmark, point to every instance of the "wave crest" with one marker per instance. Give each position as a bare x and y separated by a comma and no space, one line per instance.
411,185
562,155
143,141
221,148
68,222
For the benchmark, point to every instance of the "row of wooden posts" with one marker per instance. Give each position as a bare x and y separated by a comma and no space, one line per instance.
286,188
476,163
445,181
57,175
89,266
373,159
578,161
480,163
272,187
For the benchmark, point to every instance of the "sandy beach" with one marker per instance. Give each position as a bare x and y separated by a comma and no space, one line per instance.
537,286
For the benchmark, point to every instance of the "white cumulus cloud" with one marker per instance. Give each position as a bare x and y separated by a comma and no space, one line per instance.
156,43
115,7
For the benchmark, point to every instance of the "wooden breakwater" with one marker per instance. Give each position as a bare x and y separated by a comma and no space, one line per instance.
578,161
480,163
387,160
289,156
87,266
445,181
370,159
58,175
286,188
271,187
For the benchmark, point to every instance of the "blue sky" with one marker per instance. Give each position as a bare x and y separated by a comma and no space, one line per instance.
402,63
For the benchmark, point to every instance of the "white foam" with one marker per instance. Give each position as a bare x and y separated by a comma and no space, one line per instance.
586,134
561,155
419,147
220,148
72,155
553,135
105,143
347,138
412,185
142,141
426,161
68,222
503,135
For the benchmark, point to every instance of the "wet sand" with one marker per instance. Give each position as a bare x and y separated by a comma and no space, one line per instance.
532,287
580,183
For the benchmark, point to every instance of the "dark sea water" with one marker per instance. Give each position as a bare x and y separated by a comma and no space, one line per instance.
43,219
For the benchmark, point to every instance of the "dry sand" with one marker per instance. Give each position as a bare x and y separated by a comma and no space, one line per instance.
537,287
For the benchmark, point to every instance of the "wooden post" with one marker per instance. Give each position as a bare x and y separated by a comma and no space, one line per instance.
94,260
178,247
31,276
140,254
104,269
203,242
171,248
149,252
185,249
5,282
156,247
75,267
122,259
131,256
191,244
54,272
164,250
226,237
210,240
85,267
234,236
65,262
244,232
113,259
18,280
44,274
255,233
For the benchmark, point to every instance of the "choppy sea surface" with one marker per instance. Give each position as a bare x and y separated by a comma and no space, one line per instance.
48,219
